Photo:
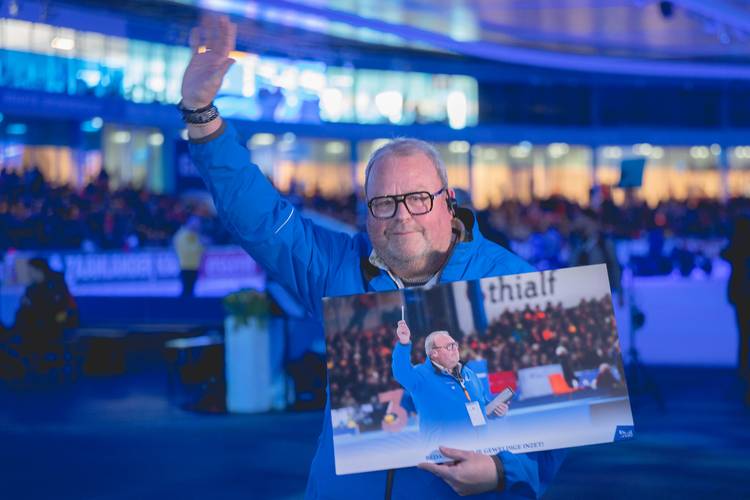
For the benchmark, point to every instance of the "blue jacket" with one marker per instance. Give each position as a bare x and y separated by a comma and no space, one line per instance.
312,263
438,397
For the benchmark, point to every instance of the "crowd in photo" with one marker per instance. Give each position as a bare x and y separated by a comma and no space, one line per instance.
578,338
359,365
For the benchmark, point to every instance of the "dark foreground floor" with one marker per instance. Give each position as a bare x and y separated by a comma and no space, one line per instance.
121,438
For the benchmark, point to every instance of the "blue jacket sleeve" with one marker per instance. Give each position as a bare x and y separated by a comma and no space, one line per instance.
530,474
293,251
404,373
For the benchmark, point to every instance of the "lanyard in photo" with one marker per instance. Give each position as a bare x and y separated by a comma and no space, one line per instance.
459,379
466,392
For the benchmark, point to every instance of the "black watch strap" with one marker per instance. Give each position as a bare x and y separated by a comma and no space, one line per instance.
198,116
500,473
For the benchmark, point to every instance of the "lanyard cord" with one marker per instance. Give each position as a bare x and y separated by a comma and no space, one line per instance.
466,392
389,483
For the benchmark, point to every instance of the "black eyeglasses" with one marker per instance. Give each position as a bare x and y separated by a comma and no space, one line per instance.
448,347
416,203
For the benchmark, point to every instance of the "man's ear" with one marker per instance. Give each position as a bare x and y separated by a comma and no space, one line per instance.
450,200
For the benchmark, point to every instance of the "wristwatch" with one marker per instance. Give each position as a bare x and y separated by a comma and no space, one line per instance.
198,116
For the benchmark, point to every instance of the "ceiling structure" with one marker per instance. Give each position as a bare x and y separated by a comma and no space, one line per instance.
679,38
691,39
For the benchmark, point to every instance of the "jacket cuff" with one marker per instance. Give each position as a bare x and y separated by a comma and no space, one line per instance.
213,135
500,473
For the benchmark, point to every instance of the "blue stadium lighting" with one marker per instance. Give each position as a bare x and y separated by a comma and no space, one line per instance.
91,77
93,125
16,129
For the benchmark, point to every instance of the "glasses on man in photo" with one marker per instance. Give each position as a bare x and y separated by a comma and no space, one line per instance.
416,203
448,347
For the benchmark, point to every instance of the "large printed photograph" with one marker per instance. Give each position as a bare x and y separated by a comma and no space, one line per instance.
517,363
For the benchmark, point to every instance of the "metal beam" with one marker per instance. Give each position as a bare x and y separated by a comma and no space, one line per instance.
314,18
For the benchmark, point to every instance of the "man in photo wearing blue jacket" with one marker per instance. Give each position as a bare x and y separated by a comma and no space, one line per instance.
415,236
449,397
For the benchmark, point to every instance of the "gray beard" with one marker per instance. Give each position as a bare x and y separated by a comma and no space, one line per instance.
409,270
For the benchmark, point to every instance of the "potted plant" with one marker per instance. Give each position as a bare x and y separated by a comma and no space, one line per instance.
247,351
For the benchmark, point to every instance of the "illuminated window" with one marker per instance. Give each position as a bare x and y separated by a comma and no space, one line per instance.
498,175
61,60
675,172
738,177
17,35
133,156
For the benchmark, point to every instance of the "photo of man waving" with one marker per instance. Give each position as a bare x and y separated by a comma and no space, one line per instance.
448,396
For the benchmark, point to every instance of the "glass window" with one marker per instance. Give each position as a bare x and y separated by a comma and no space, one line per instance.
64,44
92,46
176,61
337,98
455,155
156,69
133,156
563,170
135,72
16,34
671,172
41,39
738,176
256,88
498,175
316,166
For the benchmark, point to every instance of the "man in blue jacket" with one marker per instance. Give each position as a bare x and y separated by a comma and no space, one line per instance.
415,236
450,399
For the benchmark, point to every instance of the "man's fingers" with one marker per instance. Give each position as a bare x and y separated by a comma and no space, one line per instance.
455,454
231,38
215,29
215,33
195,39
224,36
501,409
440,470
210,25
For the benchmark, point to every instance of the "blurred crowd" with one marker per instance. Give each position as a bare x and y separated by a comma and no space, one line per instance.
36,215
700,218
677,234
578,338
550,233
